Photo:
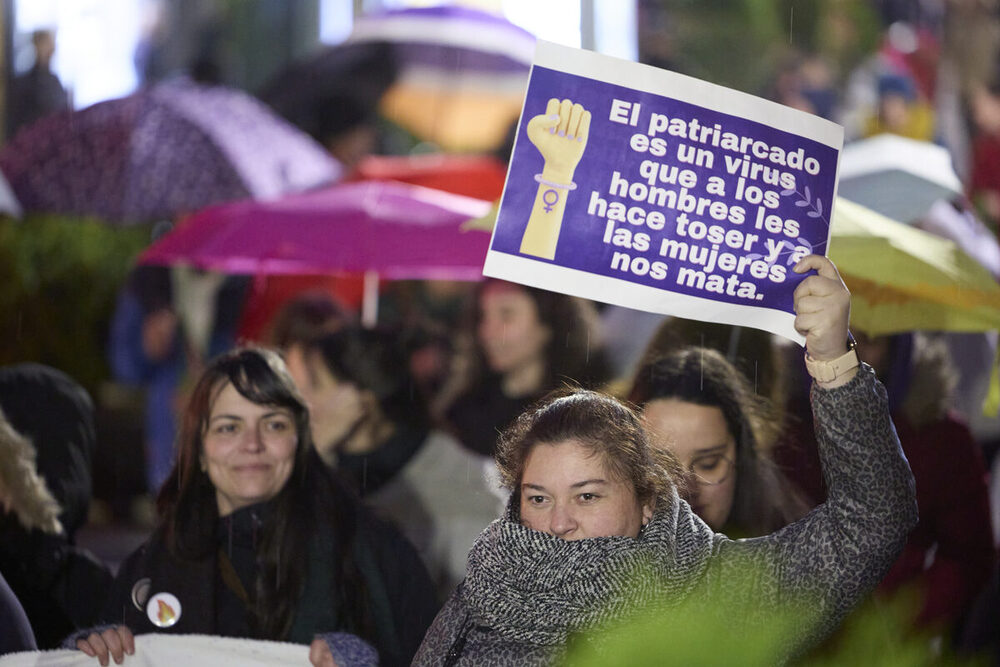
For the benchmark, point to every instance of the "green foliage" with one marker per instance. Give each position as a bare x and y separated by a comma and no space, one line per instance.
880,633
728,631
735,628
58,281
739,43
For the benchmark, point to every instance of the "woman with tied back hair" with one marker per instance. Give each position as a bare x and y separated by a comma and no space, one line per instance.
703,410
256,539
524,343
372,426
593,504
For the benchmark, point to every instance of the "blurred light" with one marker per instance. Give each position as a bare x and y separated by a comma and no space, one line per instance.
616,28
95,43
552,20
335,20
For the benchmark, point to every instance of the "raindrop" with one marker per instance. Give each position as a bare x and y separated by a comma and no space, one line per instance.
701,376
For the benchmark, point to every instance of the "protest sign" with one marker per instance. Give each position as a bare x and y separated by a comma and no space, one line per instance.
652,190
165,650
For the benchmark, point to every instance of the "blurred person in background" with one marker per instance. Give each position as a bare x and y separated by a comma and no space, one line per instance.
524,342
305,317
148,347
38,92
900,110
370,422
704,411
255,538
595,533
895,88
806,83
950,554
984,180
48,443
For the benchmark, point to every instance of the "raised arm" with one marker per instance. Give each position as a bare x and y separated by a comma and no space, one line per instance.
839,552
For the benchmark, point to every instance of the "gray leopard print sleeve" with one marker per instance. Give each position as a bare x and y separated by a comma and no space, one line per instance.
840,551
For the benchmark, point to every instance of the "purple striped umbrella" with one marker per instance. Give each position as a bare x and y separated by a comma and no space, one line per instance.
462,72
161,153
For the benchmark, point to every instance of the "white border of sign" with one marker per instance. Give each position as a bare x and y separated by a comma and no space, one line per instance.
694,91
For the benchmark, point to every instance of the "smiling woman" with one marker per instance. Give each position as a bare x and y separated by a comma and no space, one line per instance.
256,539
249,450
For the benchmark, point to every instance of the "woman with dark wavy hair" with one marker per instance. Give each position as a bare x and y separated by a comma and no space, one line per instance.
704,411
596,533
256,539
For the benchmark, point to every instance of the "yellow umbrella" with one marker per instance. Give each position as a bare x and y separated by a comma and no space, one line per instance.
904,279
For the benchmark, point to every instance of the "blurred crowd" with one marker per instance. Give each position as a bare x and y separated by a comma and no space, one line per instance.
407,413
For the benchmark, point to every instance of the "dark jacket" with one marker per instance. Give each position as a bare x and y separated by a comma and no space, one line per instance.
60,586
481,414
15,630
401,597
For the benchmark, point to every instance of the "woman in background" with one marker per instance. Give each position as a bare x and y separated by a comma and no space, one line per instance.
526,342
371,424
705,412
256,539
593,504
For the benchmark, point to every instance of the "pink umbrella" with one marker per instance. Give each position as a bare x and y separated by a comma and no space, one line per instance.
382,229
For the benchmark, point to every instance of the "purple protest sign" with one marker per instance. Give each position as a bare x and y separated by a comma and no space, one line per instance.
648,189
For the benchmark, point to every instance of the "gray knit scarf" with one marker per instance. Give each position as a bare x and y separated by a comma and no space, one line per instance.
532,587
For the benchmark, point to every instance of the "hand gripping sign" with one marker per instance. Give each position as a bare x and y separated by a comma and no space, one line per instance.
647,189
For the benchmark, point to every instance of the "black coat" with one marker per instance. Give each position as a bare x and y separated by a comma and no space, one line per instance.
15,630
60,586
401,597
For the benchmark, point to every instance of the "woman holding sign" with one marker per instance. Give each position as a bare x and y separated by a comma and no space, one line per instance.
593,504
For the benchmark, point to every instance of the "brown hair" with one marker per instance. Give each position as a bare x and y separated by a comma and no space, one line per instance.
603,425
764,500
306,317
574,352
188,510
